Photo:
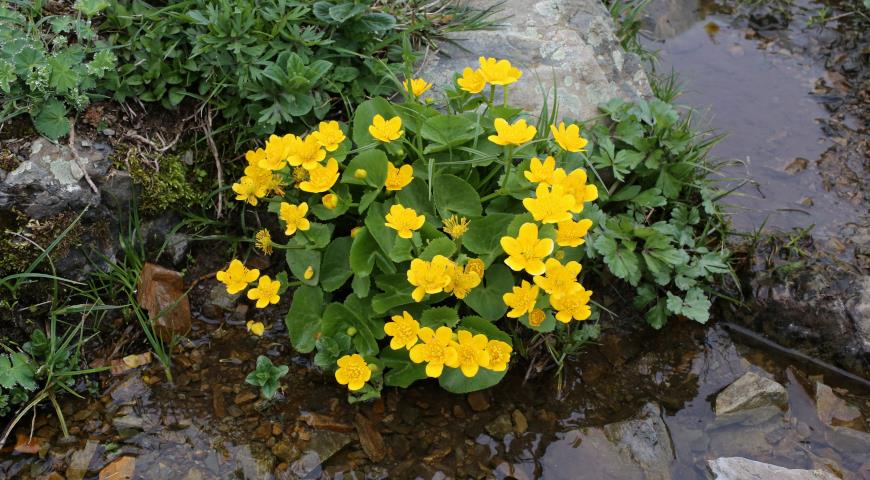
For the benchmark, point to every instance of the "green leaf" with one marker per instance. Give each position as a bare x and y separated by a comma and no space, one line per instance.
454,381
338,317
299,260
378,21
439,246
91,7
375,223
303,317
402,372
455,195
363,116
486,298
415,195
335,266
51,121
362,253
695,305
650,198
476,324
484,233
448,131
620,258
63,77
7,76
15,369
439,316
374,162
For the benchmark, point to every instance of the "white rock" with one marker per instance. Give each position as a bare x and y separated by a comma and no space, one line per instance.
738,468
750,391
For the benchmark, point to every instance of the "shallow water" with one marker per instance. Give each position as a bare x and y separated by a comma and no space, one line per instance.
760,87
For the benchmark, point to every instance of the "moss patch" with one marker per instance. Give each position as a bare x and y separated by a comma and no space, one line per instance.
166,182
16,253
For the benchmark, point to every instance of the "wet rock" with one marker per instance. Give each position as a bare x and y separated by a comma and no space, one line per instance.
219,301
161,293
176,247
832,409
244,397
849,441
369,438
50,182
325,422
131,388
478,401
128,425
26,444
286,451
569,45
748,392
254,466
323,445
646,441
500,426
80,461
738,468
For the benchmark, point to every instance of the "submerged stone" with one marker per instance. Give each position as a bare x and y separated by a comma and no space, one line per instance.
738,468
748,392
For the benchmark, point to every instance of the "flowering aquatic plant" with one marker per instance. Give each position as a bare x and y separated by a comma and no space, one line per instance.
419,235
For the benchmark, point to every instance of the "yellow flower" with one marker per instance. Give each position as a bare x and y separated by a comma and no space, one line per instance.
455,226
263,241
550,205
417,86
360,173
386,130
276,152
498,72
294,217
299,174
471,81
476,266
499,355
429,277
404,220
237,277
403,328
575,185
306,153
521,299
559,278
265,180
330,200
461,281
572,305
256,328
265,292
437,350
527,251
568,138
249,190
329,135
544,173
570,233
255,156
398,178
321,178
537,317
517,133
353,371
471,352
309,273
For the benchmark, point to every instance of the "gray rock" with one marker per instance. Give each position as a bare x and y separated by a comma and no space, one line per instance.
219,302
50,181
833,409
569,43
646,441
738,468
748,392
500,426
323,445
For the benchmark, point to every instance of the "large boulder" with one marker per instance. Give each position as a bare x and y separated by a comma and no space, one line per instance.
748,392
566,44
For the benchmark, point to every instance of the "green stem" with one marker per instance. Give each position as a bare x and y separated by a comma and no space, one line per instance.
508,165
505,88
498,193
491,95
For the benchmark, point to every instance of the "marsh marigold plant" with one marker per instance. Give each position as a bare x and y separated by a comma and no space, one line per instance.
419,234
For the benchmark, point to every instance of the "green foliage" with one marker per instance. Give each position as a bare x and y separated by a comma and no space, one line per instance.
173,185
50,65
258,64
658,227
266,376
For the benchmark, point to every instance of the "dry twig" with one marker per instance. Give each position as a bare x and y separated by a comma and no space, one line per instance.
206,127
77,158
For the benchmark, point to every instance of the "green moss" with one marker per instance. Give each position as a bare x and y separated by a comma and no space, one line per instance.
16,253
166,182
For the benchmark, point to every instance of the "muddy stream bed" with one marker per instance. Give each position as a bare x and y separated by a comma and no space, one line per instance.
639,404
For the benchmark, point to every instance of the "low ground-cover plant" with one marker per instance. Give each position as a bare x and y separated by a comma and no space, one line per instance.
50,65
417,225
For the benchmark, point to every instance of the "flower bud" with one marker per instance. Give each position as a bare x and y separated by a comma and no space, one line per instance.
537,317
309,273
351,331
354,231
360,173
330,200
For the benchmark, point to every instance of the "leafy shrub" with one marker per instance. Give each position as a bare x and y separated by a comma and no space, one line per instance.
266,376
259,64
50,65
399,225
657,226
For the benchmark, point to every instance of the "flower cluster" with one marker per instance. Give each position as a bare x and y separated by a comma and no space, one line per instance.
403,227
237,277
442,347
